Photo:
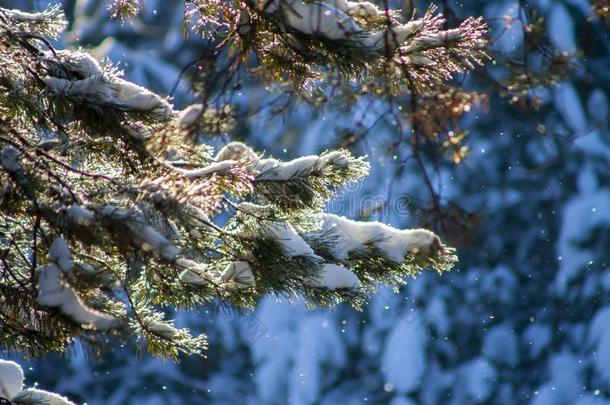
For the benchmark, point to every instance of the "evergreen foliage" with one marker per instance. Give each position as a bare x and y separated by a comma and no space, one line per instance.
111,199
509,164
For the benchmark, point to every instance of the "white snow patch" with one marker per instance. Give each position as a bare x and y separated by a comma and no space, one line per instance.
239,275
189,115
36,396
192,276
24,16
9,159
102,88
274,170
150,240
236,151
320,19
293,244
193,273
361,8
80,215
11,379
332,20
59,252
163,329
53,293
283,232
271,169
334,277
394,243
223,167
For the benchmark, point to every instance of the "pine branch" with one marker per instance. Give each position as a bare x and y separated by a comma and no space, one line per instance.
108,206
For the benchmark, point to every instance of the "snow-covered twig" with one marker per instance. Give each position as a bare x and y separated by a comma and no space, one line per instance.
329,276
359,8
334,277
394,244
238,275
283,232
37,396
150,240
193,272
77,74
145,236
50,22
52,292
333,20
304,182
221,168
11,388
162,329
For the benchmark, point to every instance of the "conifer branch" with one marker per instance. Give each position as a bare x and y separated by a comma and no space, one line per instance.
108,203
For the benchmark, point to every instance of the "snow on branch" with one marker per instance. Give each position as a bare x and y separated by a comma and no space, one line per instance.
78,75
394,244
358,8
362,252
80,214
221,168
194,273
59,253
238,275
306,182
53,292
266,226
162,337
304,43
333,277
11,388
162,201
9,159
432,55
310,269
333,20
162,329
11,379
378,253
38,396
50,22
143,235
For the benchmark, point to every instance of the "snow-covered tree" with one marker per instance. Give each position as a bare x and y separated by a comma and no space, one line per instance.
115,206
523,319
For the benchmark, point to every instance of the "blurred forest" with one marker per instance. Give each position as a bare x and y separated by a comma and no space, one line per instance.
515,174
